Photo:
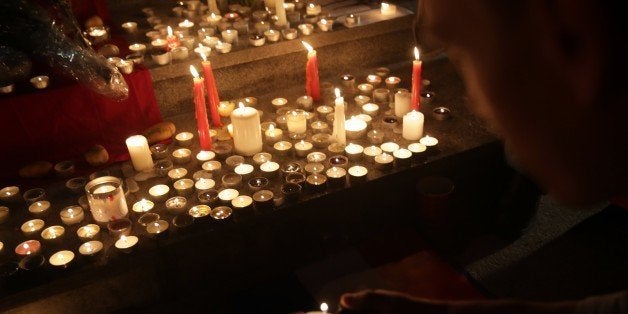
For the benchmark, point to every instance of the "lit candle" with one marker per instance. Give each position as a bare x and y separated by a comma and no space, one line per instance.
172,40
247,131
205,155
337,176
355,128
383,161
242,201
126,243
303,148
212,91
61,258
184,187
159,192
354,151
269,168
388,9
403,103
282,147
273,135
9,194
339,133
182,155
227,195
416,80
428,141
28,247
374,80
157,227
263,200
313,9
32,226
412,126
72,215
184,139
177,173
90,248
39,209
365,89
417,148
186,26
140,153
312,83
230,36
361,100
52,233
199,211
372,151
280,11
370,109
244,170
297,123
200,50
88,232
279,103
212,166
106,199
389,147
204,184
357,174
402,157
201,111
129,27
325,25
176,205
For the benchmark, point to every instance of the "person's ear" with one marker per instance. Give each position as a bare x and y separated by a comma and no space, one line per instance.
572,37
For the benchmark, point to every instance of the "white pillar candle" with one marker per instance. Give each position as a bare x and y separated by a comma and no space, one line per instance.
403,100
247,131
412,126
280,11
72,215
61,258
339,133
140,153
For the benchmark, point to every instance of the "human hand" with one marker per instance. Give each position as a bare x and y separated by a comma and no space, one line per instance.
383,301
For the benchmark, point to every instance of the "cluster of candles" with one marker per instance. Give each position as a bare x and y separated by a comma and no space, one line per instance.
201,28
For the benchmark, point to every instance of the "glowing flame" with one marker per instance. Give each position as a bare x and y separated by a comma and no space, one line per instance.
193,71
324,307
169,31
337,92
203,56
416,53
241,105
307,46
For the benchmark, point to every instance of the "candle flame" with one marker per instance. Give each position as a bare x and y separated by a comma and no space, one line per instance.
193,71
307,46
169,31
203,56
324,21
416,53
213,16
337,92
324,307
241,105
123,238
271,128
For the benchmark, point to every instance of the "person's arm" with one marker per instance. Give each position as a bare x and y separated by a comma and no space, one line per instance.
382,301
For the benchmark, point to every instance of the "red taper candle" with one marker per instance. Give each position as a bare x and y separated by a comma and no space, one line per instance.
200,111
417,65
212,91
312,83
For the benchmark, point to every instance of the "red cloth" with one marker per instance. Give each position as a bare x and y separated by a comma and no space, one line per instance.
61,123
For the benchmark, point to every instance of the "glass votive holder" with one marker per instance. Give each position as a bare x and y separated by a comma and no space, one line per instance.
88,232
305,102
64,168
375,136
147,218
314,167
291,191
357,174
281,122
325,25
392,82
258,183
263,200
125,66
316,182
374,79
5,212
32,262
184,187
310,19
297,123
34,195
120,227
306,29
336,148
390,122
39,209
76,185
231,180
222,150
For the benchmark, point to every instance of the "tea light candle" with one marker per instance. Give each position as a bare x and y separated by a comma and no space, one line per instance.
319,127
61,258
140,153
313,9
314,167
305,102
402,157
375,136
137,48
90,248
129,27
72,215
147,218
230,36
370,109
159,151
337,176
325,25
324,110
357,174
52,233
261,158
263,200
158,227
184,139
289,33
279,103
389,147
273,135
221,213
303,148
213,18
176,205
412,126
208,197
281,122
39,209
40,82
159,192
212,166
354,152
269,168
242,202
365,89
372,151
441,113
361,100
10,194
126,243
204,156
202,50
374,80
380,95
338,161
227,195
182,155
185,26
204,184
245,170
336,148
184,187
316,182
388,9
356,128
231,180
316,157
306,29
34,195
177,173
32,226
383,161
234,161
88,232
321,140
28,247
282,148
272,35
120,226
417,148
428,141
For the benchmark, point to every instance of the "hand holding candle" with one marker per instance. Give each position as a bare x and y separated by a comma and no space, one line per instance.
312,84
201,112
212,91
416,80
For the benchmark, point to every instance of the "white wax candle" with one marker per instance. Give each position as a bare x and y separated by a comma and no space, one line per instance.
389,147
355,127
403,103
402,153
88,232
52,232
177,173
9,193
140,153
428,141
282,147
184,186
184,139
247,130
280,11
269,167
230,36
159,192
370,108
339,133
126,242
412,126
303,148
90,248
358,171
297,122
227,195
273,134
417,148
212,165
204,184
313,9
72,215
61,258
242,201
383,160
354,151
182,155
143,206
244,169
204,156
